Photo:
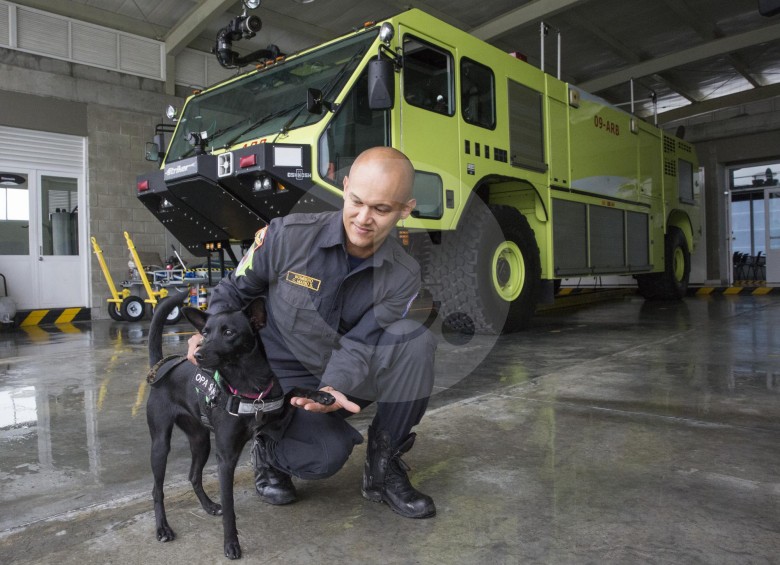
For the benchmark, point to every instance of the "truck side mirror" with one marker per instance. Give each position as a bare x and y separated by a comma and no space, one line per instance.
381,84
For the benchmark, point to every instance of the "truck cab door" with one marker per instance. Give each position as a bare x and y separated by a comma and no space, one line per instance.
428,132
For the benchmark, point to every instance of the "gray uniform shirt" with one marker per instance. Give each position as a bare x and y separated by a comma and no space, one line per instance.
323,319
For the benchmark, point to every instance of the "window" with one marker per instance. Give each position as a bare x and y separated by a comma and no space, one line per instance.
14,215
427,77
355,128
685,181
526,142
428,191
60,220
477,94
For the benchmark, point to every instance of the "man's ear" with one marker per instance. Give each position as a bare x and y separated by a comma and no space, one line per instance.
408,208
195,316
345,182
256,313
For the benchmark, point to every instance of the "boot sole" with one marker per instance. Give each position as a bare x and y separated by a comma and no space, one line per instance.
375,496
277,500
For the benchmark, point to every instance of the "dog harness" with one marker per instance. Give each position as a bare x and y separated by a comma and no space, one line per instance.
214,391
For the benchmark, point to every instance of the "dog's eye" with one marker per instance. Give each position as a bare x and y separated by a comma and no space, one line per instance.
229,333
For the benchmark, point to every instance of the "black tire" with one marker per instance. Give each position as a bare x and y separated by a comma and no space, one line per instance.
114,313
133,309
672,283
175,315
488,272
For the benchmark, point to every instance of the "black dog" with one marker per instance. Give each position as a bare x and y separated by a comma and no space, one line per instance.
232,392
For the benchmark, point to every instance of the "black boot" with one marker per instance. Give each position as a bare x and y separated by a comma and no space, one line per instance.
273,486
385,479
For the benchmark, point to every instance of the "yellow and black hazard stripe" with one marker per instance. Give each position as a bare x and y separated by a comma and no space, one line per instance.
51,316
733,290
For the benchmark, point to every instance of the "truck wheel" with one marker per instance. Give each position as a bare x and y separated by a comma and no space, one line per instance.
489,272
672,283
114,313
132,309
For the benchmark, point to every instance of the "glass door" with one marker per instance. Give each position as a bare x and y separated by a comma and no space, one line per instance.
772,231
59,253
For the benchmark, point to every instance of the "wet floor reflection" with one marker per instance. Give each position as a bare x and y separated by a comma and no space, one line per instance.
72,403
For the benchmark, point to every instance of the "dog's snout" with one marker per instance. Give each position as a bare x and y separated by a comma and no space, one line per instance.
198,356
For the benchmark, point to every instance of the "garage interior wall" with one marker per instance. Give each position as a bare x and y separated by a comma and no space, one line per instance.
746,133
117,113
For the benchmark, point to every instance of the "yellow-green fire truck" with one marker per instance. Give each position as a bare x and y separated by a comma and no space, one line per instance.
521,179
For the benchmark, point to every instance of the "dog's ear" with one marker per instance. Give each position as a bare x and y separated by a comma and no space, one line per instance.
256,314
195,316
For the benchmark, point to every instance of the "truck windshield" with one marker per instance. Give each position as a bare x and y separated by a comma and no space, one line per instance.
266,102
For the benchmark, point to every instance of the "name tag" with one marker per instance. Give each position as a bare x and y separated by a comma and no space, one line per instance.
303,280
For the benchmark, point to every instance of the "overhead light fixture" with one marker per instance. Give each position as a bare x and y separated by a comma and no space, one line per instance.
251,4
303,1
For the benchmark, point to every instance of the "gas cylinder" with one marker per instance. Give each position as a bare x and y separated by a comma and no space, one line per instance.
193,300
203,297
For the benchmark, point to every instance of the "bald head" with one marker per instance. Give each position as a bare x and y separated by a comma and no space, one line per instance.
389,163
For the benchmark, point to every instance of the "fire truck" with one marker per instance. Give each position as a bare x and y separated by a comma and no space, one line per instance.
521,179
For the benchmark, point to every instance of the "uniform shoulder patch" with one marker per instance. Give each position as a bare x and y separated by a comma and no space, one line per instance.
260,236
246,260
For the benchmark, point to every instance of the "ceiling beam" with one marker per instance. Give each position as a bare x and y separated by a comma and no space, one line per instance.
709,30
193,24
402,6
583,22
294,26
533,11
715,104
708,50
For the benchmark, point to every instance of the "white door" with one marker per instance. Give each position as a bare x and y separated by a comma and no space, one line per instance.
60,252
772,231
42,255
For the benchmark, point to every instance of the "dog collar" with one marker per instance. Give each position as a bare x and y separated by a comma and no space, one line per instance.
240,404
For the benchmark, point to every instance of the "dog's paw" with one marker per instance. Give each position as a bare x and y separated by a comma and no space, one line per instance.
213,508
232,550
165,533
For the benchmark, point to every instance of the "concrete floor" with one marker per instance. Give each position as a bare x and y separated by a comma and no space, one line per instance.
622,432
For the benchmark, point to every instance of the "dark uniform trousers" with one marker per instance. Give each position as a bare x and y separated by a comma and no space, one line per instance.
316,446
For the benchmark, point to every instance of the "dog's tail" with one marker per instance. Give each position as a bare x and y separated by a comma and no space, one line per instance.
161,313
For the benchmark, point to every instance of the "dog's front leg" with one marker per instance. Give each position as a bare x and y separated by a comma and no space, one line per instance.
227,461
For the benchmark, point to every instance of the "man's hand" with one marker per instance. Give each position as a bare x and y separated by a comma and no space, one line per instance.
313,406
192,346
